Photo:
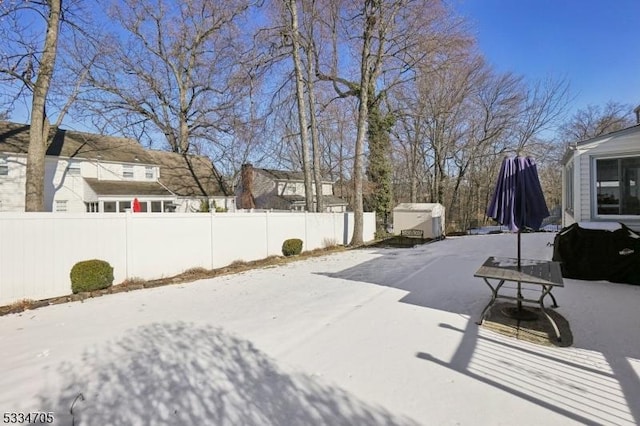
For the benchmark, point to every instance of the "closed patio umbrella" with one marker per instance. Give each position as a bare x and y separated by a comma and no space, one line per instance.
518,201
136,206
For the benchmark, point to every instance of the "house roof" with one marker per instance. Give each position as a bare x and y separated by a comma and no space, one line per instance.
188,175
182,175
14,138
124,187
601,138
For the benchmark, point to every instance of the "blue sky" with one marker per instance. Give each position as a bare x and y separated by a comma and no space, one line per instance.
594,44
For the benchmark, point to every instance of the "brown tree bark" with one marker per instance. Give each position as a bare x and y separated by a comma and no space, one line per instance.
39,131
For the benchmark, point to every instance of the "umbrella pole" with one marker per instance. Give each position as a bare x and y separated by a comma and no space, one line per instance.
519,285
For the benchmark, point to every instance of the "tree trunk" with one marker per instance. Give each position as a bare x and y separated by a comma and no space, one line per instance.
315,138
302,110
39,130
380,169
366,79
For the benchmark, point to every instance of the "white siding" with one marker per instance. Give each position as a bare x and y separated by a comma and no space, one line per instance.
113,171
583,207
60,186
291,188
297,188
12,185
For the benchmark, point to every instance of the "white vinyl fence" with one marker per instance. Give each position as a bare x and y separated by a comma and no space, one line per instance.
38,250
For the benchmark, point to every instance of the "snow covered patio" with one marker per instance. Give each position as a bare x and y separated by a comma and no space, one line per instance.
364,337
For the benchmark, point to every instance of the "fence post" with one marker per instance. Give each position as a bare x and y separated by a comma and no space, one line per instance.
211,249
306,226
127,244
266,227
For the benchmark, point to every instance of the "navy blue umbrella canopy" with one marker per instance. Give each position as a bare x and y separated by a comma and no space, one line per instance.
518,201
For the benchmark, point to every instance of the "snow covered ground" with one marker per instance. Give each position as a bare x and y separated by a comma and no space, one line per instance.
364,337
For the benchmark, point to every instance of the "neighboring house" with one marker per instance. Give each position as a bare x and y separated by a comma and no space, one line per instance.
601,179
86,172
281,190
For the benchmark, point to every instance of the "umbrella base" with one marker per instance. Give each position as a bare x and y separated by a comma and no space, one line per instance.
519,314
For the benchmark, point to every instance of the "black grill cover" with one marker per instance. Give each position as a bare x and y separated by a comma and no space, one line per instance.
594,254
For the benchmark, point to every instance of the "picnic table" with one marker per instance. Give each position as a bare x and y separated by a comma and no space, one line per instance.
544,273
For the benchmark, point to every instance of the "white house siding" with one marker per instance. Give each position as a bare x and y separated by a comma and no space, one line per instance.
114,171
12,186
584,189
59,184
290,188
297,188
63,187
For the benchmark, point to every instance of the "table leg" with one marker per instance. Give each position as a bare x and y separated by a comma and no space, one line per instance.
494,296
547,291
555,304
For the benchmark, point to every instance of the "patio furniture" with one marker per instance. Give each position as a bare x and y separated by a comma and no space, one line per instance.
412,233
544,273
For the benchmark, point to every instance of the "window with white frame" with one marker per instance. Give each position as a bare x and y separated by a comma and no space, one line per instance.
73,169
127,171
4,167
92,207
148,173
617,186
61,205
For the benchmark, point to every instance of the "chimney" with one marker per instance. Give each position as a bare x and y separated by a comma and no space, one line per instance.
637,111
246,196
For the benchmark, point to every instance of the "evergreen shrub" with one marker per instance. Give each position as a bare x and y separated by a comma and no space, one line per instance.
292,247
91,275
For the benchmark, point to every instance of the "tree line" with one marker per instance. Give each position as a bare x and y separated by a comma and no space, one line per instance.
389,98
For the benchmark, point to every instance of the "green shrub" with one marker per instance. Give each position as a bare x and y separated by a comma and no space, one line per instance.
292,247
91,275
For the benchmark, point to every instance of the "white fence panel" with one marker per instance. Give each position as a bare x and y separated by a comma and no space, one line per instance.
166,245
368,228
283,226
238,236
38,250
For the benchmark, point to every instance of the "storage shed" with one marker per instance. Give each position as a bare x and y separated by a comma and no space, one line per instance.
428,217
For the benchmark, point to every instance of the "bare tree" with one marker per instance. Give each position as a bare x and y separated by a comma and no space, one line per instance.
311,52
292,9
174,70
545,102
393,38
32,66
593,121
